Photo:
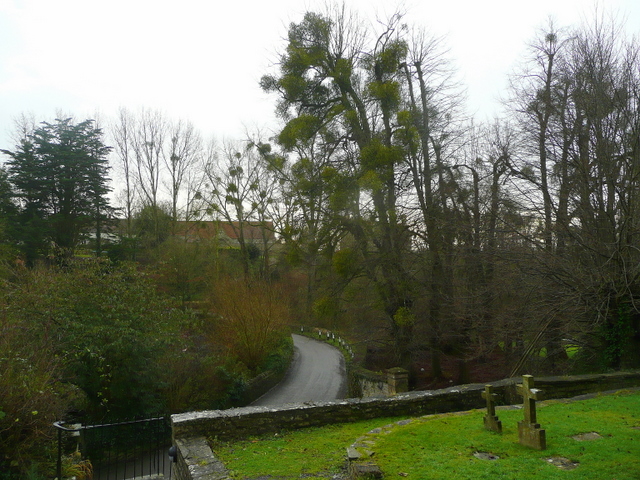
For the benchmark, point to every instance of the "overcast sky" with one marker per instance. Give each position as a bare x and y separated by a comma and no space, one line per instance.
201,60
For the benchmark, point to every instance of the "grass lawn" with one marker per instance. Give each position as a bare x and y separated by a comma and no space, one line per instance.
443,446
311,453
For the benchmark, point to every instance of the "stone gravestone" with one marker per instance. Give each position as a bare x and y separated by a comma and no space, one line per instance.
491,421
529,432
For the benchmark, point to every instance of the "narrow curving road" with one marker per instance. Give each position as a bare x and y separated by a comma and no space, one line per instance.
317,373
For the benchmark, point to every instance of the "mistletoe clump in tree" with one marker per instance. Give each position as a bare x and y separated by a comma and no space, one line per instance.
373,109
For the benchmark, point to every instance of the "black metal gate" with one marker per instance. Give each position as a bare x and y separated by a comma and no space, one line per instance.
116,451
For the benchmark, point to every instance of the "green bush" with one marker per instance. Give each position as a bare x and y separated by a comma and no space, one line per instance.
32,395
280,357
97,340
109,329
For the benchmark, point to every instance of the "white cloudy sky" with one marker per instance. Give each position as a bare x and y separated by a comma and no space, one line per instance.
201,60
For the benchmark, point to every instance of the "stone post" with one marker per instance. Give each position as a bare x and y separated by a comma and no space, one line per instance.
398,380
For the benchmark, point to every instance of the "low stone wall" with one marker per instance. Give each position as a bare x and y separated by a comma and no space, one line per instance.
196,461
240,423
262,383
380,384
258,386
371,384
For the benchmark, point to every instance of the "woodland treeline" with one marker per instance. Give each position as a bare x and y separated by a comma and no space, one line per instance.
460,250
518,237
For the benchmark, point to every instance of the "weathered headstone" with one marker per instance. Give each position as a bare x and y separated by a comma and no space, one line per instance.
529,432
491,421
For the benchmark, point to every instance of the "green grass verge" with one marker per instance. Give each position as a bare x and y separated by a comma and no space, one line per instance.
311,453
442,446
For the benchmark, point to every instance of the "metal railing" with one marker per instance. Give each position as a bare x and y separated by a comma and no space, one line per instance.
116,451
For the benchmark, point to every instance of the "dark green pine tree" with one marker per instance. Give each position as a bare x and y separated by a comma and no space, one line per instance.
60,175
8,211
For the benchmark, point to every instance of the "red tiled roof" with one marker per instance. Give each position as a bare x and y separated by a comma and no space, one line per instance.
207,230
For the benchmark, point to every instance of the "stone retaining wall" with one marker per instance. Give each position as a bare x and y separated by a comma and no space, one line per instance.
261,384
371,384
240,423
196,461
381,384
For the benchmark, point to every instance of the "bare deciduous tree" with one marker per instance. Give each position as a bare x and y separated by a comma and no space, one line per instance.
122,132
149,150
234,176
183,154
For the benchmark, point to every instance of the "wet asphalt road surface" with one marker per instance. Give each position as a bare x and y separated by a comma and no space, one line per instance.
317,373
